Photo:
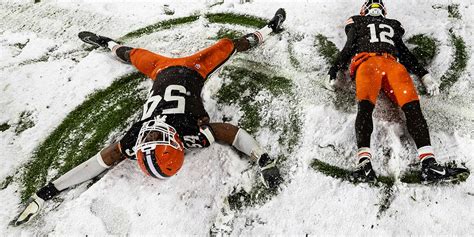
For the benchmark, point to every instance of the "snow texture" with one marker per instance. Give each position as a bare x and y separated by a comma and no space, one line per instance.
45,71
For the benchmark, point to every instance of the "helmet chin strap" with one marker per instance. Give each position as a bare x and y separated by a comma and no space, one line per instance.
375,12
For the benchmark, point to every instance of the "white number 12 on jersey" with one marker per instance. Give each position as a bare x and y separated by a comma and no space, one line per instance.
385,36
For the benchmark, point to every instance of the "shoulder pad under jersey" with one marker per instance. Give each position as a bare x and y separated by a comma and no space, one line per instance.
350,21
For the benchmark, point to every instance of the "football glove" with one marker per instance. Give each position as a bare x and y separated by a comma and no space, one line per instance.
269,172
34,206
329,83
431,85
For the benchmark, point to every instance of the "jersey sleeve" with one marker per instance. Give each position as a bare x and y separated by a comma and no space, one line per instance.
203,138
344,57
406,57
127,143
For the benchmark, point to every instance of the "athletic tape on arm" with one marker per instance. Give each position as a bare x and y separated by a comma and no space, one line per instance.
245,143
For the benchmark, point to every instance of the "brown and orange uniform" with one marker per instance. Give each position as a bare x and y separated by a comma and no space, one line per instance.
379,60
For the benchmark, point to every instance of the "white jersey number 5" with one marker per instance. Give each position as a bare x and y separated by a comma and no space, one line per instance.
153,102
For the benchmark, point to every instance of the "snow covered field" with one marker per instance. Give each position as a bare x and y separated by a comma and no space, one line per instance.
45,73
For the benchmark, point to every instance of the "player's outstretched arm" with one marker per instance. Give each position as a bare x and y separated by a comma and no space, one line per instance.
253,39
244,142
83,172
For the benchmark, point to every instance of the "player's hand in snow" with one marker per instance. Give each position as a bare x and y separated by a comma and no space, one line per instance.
330,79
431,85
270,174
34,206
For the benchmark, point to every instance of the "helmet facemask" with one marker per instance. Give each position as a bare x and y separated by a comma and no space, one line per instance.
155,132
159,150
373,8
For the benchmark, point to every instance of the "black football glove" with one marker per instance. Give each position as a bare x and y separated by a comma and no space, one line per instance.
269,172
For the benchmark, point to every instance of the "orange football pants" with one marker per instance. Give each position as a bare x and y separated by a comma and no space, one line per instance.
384,72
204,61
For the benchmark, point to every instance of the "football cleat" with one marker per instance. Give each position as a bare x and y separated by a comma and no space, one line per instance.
433,172
276,22
34,206
94,39
269,172
363,172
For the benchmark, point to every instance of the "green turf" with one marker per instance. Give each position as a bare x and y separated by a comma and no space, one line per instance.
84,131
326,48
343,174
425,50
159,26
228,33
457,67
453,11
4,127
242,88
26,122
236,19
6,182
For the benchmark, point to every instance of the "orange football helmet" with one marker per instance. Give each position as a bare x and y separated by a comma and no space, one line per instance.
159,150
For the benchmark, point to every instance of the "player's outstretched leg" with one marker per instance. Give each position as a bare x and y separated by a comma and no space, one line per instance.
364,127
120,51
258,37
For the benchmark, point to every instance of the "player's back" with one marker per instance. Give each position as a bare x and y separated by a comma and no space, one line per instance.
375,34
176,94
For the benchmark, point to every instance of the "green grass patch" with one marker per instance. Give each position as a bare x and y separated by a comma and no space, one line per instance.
228,33
344,174
6,182
236,19
159,26
4,127
326,48
26,121
258,195
216,4
453,11
243,85
293,60
84,131
425,50
459,63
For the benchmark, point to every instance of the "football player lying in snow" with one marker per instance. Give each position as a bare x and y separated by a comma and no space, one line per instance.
380,60
173,119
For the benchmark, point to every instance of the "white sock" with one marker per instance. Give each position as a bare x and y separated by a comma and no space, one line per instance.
263,33
425,152
83,172
111,44
364,152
